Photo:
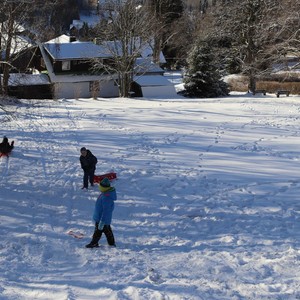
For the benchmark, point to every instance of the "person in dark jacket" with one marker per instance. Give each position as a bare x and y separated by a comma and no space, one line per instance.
102,217
88,163
5,146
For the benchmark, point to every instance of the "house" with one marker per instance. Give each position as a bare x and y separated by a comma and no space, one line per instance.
290,63
22,50
150,82
29,86
68,63
153,86
61,68
24,59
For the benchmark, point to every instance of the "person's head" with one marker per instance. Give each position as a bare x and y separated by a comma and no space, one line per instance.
83,151
104,184
5,140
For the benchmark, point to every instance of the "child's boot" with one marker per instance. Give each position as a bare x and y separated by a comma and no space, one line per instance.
96,237
92,244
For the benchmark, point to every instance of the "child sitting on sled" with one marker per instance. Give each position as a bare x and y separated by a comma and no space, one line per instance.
103,214
5,146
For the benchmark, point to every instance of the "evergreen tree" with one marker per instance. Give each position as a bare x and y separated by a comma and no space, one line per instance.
203,79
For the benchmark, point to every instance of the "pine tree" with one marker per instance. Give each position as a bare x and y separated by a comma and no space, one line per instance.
203,79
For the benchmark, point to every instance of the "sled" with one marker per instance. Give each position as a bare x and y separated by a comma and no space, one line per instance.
110,176
7,154
4,154
75,234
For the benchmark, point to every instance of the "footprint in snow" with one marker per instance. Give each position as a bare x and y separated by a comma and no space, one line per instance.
154,276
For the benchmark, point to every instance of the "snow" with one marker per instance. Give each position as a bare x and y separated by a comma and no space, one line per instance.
208,199
62,39
18,43
91,18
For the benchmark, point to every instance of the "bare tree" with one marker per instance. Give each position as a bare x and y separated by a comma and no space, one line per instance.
43,19
12,14
254,33
285,33
247,31
124,33
172,29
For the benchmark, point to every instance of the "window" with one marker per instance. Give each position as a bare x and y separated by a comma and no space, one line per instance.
66,65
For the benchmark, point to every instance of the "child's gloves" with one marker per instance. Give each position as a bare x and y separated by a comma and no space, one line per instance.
101,226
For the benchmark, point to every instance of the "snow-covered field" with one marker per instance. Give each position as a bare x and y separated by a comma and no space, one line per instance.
208,199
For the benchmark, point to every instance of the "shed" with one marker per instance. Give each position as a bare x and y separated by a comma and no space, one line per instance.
155,86
29,86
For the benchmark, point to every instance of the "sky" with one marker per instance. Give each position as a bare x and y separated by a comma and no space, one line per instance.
208,199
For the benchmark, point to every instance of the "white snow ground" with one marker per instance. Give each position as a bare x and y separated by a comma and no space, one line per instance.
208,199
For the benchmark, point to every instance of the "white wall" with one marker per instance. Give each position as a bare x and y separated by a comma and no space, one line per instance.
71,90
158,91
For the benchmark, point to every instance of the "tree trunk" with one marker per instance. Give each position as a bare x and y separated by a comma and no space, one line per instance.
157,49
6,66
126,80
252,83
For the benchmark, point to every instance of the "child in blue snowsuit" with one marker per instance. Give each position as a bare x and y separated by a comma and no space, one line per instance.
103,214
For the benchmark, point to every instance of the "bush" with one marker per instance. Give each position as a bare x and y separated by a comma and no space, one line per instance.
240,84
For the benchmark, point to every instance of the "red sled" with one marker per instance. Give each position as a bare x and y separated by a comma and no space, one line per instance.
76,234
110,176
4,154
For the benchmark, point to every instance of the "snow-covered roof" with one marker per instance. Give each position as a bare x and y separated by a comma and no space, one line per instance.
144,49
78,24
147,51
91,19
18,44
110,2
87,50
17,79
76,50
146,65
60,39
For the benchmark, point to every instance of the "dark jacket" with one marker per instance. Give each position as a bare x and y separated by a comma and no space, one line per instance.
88,162
5,147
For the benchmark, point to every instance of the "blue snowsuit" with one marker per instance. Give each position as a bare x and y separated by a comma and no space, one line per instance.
104,207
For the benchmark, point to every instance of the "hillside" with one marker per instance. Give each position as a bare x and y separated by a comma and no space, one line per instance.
207,208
